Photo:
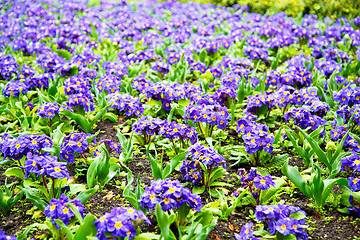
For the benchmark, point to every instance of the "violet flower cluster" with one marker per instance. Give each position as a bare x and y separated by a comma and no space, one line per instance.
73,144
126,103
170,194
18,147
303,118
46,165
78,87
58,210
256,136
196,155
48,110
3,236
180,131
214,115
276,219
120,222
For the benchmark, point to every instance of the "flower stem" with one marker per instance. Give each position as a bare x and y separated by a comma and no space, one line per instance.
200,128
172,140
53,187
45,184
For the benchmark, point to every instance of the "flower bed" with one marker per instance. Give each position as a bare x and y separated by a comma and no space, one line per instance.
177,120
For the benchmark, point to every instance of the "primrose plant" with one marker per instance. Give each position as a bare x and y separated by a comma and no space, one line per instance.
120,223
207,117
351,196
146,127
203,166
261,189
65,219
257,139
173,203
277,222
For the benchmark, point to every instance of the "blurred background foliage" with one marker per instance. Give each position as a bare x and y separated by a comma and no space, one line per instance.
322,8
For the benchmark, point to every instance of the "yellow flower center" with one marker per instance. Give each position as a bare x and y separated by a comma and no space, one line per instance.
118,225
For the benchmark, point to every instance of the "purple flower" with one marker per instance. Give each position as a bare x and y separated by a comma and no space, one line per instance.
263,183
200,154
58,210
246,232
120,222
14,88
169,194
3,236
48,110
283,226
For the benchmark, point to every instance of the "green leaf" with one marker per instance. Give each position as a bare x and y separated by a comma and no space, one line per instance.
100,114
317,187
91,175
80,120
111,116
37,201
153,102
216,174
329,184
103,167
3,204
198,190
296,178
220,184
15,171
173,164
76,188
146,236
278,135
87,229
318,151
25,233
65,229
317,132
128,192
334,159
291,135
75,211
155,167
278,161
164,224
85,195
266,195
202,55
298,215
64,53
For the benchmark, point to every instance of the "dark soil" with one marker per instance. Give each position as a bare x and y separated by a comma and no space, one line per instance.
18,219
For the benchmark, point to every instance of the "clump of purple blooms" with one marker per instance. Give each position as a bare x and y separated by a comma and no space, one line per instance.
120,222
48,110
126,103
57,209
256,136
279,219
169,194
255,182
73,144
196,156
18,147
